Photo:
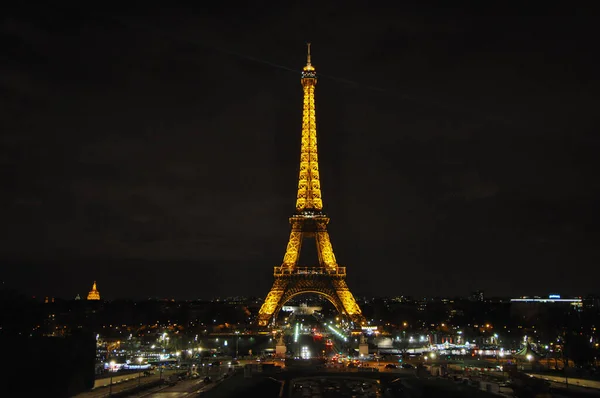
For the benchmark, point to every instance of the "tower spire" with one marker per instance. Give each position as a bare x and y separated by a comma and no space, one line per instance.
308,70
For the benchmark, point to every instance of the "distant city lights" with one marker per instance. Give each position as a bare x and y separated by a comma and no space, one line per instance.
337,333
296,332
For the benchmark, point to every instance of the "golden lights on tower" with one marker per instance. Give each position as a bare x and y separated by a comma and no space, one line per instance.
309,222
309,185
94,294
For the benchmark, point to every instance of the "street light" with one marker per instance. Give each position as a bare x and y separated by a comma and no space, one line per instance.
237,340
200,355
139,360
112,365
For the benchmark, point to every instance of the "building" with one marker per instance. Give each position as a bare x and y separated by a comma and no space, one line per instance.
544,311
477,296
94,294
591,302
552,299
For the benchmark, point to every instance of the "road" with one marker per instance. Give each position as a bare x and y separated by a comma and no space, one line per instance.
120,385
185,388
560,381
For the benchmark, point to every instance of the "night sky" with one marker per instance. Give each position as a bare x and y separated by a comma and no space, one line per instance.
156,150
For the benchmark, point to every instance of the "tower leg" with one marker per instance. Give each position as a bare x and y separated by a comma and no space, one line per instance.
324,248
272,301
347,299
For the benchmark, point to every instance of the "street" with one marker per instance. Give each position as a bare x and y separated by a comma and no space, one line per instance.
185,388
120,385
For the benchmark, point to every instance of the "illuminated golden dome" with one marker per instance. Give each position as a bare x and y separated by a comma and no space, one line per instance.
94,294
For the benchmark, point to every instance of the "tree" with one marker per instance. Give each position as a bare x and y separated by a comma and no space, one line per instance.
578,349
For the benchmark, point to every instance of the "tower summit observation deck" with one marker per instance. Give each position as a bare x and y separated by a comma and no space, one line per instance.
309,222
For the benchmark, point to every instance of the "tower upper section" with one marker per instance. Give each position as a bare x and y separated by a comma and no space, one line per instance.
309,185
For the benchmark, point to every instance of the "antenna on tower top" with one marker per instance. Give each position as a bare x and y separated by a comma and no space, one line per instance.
308,67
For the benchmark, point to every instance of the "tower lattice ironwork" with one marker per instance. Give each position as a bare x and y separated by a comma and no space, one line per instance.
309,222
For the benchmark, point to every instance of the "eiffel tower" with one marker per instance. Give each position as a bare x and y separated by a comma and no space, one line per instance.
309,222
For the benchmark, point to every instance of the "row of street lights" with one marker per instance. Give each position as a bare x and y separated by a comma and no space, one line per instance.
112,365
165,339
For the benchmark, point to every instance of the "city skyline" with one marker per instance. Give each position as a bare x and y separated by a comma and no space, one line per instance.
158,154
309,297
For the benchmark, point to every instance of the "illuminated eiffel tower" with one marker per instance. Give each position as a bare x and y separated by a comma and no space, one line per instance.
309,222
